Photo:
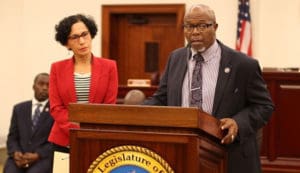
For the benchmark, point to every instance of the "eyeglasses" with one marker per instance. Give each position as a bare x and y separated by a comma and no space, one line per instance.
76,37
200,27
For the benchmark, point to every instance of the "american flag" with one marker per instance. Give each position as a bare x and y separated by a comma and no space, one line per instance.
244,37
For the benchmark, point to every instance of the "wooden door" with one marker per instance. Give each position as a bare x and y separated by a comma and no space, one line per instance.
140,38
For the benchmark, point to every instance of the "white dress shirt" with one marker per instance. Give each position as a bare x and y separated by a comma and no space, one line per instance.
210,70
35,103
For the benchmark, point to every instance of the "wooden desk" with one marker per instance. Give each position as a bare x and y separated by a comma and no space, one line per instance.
281,142
123,90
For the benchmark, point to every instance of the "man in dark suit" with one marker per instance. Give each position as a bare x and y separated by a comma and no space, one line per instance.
28,148
224,83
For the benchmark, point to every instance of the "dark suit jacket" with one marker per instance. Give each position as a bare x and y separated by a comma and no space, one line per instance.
103,89
22,138
240,94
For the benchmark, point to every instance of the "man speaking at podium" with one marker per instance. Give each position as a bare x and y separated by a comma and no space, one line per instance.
220,81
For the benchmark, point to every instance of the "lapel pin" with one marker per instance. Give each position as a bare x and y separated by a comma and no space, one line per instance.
236,90
227,70
47,110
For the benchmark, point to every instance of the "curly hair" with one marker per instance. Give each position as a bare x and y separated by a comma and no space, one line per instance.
63,28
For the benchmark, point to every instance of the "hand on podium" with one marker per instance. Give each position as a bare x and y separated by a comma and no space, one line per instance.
231,126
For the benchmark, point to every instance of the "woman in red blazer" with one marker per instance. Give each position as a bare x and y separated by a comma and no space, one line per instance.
83,78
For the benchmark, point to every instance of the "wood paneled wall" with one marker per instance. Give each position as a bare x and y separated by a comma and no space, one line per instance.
281,141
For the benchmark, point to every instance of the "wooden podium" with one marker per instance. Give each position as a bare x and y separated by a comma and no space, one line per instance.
187,139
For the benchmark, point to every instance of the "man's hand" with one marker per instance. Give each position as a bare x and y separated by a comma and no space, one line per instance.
232,127
18,158
31,157
25,160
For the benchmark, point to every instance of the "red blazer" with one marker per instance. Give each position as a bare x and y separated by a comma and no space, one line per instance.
103,89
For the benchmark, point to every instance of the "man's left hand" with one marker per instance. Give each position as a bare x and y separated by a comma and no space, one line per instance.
232,127
31,157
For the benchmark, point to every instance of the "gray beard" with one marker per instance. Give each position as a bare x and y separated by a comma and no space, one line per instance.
201,50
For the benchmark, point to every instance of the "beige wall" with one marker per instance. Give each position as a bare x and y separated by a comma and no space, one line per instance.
28,47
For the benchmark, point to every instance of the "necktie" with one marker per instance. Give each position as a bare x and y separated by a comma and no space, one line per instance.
196,86
36,116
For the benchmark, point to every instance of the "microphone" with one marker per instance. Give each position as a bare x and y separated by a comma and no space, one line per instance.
188,56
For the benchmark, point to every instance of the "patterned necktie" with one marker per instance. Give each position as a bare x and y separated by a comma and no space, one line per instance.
196,86
36,116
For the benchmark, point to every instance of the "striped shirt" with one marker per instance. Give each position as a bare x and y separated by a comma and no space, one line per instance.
210,70
82,86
